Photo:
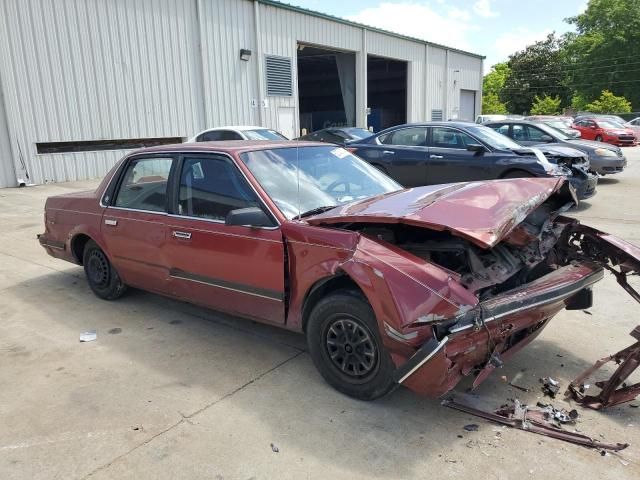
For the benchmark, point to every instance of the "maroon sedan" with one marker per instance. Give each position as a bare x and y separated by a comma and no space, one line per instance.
418,287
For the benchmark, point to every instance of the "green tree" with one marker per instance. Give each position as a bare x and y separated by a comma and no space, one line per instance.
609,103
578,102
536,70
493,82
546,105
603,53
491,104
492,86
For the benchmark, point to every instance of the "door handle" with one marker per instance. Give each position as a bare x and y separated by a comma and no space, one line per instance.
181,235
110,222
435,156
388,152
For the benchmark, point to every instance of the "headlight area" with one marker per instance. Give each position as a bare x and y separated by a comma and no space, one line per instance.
605,152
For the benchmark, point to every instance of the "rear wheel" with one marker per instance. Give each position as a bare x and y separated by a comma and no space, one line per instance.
101,276
517,174
598,138
346,348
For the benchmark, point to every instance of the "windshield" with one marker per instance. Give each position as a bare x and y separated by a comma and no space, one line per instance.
264,134
553,132
493,138
327,176
557,124
609,124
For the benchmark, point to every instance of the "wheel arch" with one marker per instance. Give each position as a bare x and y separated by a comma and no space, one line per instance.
340,281
77,244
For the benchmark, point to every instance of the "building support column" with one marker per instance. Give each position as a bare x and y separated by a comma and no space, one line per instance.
260,63
361,84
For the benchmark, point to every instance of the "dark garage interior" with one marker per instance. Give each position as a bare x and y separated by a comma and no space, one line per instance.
326,88
386,92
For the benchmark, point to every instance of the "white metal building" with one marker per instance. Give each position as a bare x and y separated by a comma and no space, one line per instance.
84,81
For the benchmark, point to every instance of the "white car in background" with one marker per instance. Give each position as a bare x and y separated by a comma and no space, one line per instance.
237,133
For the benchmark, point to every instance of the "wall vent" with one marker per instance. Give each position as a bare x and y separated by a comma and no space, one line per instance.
436,115
279,77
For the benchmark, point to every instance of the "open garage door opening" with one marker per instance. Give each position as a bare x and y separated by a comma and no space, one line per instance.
386,92
326,88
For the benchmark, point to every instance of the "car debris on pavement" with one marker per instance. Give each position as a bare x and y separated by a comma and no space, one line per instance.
88,336
613,391
543,422
550,386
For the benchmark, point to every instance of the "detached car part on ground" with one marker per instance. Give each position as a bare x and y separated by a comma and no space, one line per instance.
443,152
417,287
604,159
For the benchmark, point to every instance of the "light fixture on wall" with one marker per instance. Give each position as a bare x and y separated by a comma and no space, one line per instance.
245,54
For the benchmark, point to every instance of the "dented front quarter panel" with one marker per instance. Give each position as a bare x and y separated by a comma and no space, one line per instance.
400,287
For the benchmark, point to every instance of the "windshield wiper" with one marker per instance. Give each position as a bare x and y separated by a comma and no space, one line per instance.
314,211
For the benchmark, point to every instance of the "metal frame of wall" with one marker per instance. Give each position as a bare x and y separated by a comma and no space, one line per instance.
116,69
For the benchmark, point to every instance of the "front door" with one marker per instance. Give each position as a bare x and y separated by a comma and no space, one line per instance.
236,269
133,224
450,161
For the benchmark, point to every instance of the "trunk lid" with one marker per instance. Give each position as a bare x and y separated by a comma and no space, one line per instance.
482,212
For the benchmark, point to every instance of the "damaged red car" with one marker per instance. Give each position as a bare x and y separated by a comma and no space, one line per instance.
419,287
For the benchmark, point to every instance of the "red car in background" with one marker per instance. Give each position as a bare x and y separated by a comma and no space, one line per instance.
418,287
606,131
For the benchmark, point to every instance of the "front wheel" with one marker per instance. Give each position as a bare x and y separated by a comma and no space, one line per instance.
346,348
102,277
598,138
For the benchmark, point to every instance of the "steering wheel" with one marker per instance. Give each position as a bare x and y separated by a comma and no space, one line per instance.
337,183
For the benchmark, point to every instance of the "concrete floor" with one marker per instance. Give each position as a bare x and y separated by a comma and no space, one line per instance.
173,391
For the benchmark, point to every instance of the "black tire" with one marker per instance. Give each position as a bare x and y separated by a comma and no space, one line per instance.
517,174
598,138
346,348
102,277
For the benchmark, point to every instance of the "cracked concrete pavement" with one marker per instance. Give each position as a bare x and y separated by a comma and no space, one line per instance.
169,390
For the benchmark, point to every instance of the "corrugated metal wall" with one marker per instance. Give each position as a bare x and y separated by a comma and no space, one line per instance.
94,69
76,70
7,172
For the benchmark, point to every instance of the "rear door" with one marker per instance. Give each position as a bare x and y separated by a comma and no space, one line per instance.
401,153
237,269
450,161
133,224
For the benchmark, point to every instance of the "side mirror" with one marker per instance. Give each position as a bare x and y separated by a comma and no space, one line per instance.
546,138
476,147
248,217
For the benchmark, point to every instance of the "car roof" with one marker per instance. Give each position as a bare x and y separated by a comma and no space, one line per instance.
511,120
230,146
436,124
240,128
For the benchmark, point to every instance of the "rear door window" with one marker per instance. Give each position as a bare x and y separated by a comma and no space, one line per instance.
409,137
144,184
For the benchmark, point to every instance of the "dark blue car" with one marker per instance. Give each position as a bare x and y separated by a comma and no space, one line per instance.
445,152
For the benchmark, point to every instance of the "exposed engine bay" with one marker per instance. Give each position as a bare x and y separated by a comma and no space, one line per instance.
533,249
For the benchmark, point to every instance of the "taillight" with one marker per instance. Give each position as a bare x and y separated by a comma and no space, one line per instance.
351,149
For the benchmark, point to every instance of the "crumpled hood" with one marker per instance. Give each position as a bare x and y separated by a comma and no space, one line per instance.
482,212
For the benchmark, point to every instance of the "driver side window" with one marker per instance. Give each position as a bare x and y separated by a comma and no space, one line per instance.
210,187
449,138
